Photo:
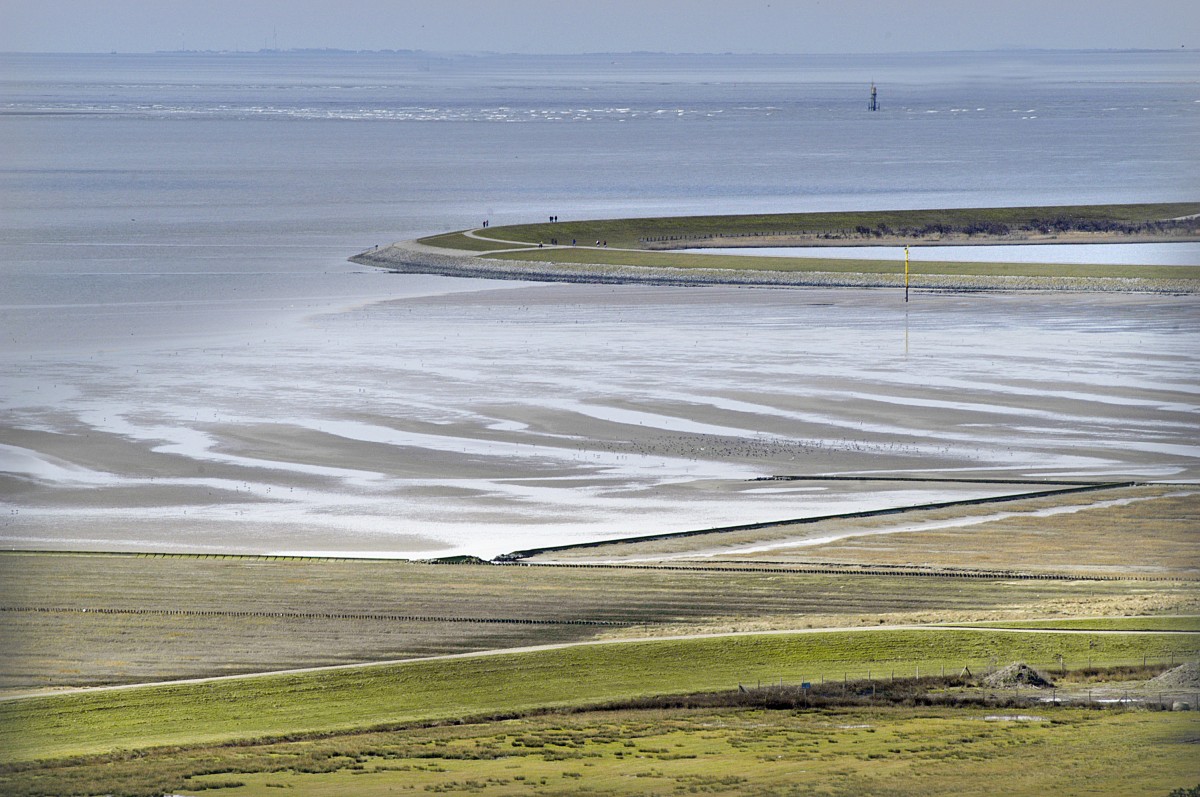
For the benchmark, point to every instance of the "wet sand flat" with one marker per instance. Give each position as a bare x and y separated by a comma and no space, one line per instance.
535,415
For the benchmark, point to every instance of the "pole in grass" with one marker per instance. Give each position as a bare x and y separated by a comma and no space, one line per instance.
906,274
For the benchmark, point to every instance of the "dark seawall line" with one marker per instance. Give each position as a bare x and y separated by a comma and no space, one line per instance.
515,556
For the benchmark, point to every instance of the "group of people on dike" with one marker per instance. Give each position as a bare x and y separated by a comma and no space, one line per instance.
554,242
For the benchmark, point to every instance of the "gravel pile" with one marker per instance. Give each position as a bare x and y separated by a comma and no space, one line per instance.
1185,676
1018,674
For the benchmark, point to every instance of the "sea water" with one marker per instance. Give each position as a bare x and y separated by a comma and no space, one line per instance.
146,182
175,229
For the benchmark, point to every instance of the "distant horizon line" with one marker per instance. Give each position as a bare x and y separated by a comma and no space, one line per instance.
606,53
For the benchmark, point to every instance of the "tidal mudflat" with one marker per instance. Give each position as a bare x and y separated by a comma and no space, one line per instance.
526,415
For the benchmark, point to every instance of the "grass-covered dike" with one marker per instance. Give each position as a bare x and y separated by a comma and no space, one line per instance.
450,689
1168,220
638,249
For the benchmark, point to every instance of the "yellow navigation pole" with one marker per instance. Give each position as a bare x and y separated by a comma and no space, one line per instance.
906,273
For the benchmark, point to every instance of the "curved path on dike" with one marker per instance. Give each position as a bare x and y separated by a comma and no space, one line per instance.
563,645
525,246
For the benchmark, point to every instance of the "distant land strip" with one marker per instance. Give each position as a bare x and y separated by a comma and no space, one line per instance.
726,566
516,556
640,250
751,566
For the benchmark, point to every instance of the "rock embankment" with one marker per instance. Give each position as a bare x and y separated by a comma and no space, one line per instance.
414,258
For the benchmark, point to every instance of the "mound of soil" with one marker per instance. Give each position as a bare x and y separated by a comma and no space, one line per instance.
1185,676
1018,674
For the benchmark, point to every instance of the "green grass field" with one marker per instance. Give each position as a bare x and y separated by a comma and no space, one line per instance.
897,752
456,240
369,697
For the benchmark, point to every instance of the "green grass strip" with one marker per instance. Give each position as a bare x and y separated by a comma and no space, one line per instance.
1191,624
628,232
456,240
684,260
345,699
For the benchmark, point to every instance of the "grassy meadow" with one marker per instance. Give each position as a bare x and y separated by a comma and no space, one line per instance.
348,699
456,240
377,728
853,751
153,618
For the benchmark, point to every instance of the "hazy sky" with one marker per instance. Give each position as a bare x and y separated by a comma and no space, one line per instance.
565,26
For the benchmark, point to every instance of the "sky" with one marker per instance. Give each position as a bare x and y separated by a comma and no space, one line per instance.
572,26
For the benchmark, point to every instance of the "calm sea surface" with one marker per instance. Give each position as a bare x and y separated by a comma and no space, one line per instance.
183,346
244,181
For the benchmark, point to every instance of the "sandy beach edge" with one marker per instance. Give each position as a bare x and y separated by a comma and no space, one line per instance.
412,257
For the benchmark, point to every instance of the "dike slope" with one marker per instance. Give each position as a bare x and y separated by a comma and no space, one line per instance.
412,257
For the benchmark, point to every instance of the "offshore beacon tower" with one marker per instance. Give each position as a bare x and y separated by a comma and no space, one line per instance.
874,104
